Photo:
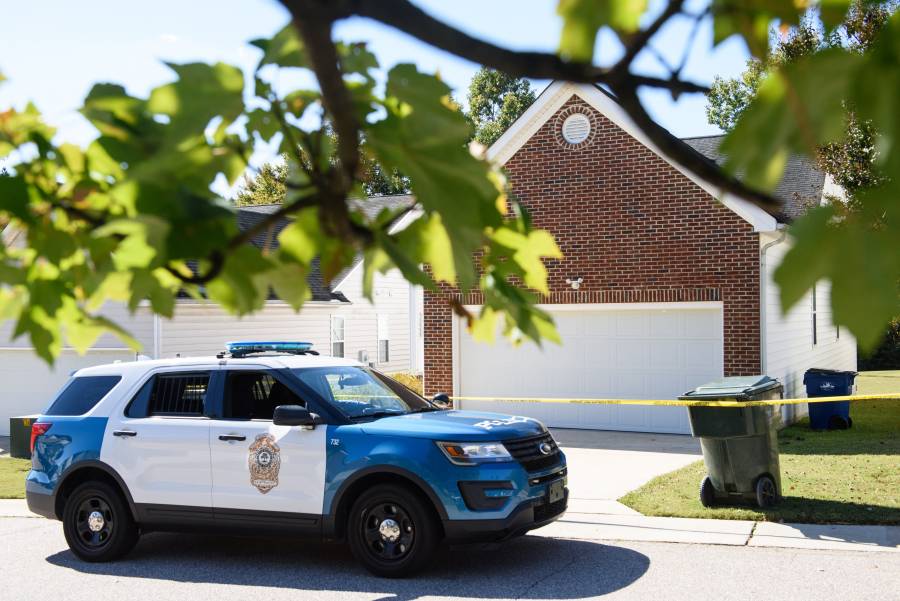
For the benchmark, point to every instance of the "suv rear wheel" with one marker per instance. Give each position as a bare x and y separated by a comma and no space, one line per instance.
97,523
391,531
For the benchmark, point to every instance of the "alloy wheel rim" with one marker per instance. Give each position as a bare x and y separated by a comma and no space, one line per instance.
388,531
94,522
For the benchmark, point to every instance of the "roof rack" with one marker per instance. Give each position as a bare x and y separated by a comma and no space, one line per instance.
237,350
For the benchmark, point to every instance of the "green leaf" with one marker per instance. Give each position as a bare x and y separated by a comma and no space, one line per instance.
14,198
289,280
583,18
284,49
200,93
424,136
798,107
241,287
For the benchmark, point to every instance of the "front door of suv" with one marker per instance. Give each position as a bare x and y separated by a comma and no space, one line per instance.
159,442
256,465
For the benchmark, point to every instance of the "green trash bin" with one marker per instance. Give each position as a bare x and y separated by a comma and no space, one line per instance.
740,444
20,436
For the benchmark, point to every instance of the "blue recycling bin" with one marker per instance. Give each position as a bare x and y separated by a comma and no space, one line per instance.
824,383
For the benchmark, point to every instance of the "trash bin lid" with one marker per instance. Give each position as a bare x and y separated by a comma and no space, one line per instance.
734,387
822,372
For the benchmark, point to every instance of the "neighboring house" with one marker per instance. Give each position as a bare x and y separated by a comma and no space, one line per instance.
338,320
675,279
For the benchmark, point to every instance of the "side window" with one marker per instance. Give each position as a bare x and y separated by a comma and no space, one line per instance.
384,339
337,336
181,394
254,395
79,395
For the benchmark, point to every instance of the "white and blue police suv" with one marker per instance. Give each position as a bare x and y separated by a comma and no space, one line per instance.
270,438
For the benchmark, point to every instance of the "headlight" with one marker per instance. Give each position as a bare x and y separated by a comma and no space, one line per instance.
470,453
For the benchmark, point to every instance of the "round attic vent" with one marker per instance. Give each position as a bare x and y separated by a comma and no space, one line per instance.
576,128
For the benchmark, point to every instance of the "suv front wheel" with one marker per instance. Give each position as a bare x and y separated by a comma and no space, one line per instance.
98,524
391,531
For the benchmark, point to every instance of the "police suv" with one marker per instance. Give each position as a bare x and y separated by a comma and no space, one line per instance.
270,438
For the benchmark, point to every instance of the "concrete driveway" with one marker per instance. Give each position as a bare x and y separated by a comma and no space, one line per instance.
604,465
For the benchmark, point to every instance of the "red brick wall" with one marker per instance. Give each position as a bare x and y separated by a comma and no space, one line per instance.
633,227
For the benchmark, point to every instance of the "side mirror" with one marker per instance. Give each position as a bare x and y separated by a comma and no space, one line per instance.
294,415
442,400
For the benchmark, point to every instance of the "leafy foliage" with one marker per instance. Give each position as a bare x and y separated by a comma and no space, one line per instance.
265,188
131,217
122,219
810,96
887,354
496,100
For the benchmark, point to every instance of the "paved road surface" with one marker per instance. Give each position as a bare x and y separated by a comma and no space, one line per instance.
35,563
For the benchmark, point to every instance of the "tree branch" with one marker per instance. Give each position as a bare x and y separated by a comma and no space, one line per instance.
638,41
313,20
404,16
687,157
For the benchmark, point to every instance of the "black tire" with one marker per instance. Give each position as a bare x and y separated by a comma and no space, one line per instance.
766,492
387,511
98,524
707,492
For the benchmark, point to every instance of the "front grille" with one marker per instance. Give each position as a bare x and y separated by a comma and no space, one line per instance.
527,451
549,510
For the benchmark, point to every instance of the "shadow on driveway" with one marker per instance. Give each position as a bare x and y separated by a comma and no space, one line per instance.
529,567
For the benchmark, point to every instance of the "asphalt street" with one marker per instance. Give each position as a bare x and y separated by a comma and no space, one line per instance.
35,562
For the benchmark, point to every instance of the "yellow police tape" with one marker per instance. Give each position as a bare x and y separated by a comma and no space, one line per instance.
677,403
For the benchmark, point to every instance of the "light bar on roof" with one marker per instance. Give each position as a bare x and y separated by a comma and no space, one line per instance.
239,349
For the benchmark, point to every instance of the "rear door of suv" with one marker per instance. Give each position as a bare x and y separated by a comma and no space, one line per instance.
158,441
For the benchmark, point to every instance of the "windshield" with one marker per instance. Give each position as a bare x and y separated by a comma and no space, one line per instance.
359,392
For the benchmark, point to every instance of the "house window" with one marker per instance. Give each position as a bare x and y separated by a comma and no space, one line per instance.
815,328
337,336
384,339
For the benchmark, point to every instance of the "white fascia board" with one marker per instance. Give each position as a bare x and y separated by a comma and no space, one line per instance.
558,93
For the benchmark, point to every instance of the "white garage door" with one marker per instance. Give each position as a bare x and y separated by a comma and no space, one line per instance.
29,384
645,352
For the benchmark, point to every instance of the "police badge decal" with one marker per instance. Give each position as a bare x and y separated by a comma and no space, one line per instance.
264,462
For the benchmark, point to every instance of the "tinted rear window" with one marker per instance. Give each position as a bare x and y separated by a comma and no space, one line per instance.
81,394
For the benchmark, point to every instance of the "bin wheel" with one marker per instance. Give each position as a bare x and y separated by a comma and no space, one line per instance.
766,492
836,422
849,422
707,492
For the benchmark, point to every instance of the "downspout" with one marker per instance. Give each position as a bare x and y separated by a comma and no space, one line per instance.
157,337
763,277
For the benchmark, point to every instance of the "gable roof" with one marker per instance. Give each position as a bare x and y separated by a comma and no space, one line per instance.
555,95
801,186
371,207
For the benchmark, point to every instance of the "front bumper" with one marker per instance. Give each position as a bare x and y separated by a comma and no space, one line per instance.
527,516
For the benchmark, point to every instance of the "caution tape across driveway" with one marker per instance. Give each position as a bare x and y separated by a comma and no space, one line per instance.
678,403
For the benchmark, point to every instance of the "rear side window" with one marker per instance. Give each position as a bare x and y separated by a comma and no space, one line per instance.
178,394
80,395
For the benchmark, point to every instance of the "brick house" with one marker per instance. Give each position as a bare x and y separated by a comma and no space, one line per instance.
665,283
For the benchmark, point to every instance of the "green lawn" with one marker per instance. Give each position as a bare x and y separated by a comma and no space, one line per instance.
12,477
849,476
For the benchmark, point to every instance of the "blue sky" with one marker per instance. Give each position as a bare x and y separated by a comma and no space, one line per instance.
53,51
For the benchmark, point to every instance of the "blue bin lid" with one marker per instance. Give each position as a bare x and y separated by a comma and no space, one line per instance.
739,388
818,372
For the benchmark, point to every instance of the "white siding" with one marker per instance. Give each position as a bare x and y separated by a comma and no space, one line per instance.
202,329
391,298
789,350
140,325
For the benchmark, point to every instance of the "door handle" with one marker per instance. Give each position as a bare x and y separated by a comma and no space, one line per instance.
124,433
230,437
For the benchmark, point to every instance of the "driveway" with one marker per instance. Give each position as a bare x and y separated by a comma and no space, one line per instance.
604,465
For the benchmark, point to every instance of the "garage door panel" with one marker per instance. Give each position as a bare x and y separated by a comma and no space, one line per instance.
633,354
